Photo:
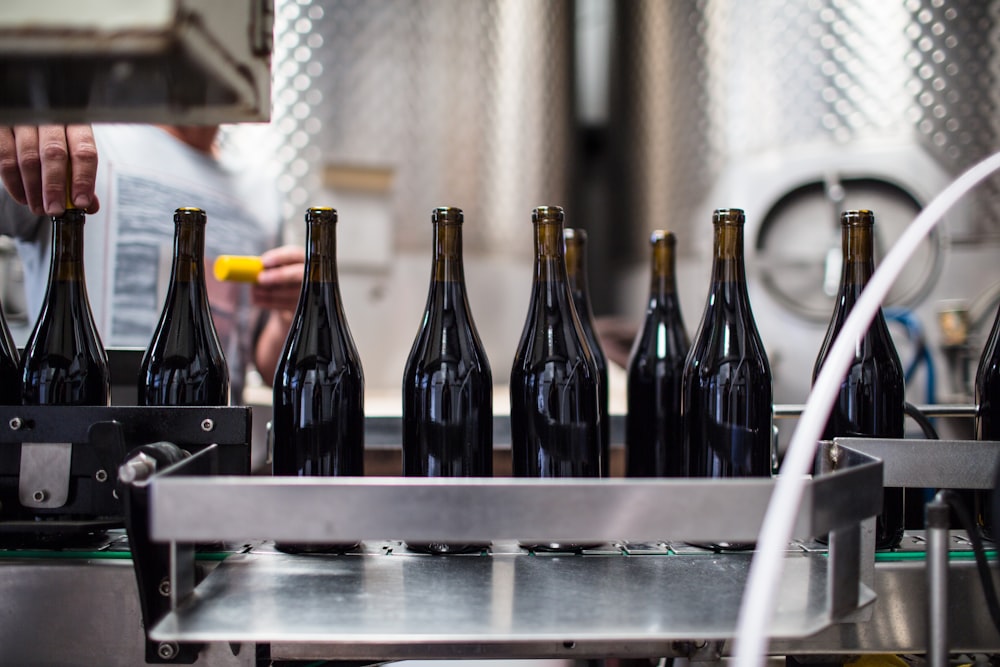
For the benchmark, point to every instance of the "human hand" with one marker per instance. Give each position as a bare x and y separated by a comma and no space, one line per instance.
278,285
34,163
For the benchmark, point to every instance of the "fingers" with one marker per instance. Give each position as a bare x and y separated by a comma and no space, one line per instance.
287,254
29,165
83,157
34,163
10,169
54,167
279,284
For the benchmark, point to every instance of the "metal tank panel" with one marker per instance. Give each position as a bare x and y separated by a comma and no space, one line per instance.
708,84
449,101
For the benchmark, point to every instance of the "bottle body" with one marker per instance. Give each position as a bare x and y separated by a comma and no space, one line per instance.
987,393
726,396
447,381
870,402
318,422
576,272
64,361
653,427
554,385
184,363
10,361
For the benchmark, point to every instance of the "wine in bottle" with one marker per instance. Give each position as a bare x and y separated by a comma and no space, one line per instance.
653,428
318,423
447,382
184,363
555,416
576,271
988,418
64,361
871,397
726,396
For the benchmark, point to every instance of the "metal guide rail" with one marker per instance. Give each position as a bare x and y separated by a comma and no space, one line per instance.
507,601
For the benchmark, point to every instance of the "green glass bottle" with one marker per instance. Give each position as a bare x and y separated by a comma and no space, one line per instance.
653,428
555,415
64,361
871,399
726,397
184,363
319,387
576,272
447,382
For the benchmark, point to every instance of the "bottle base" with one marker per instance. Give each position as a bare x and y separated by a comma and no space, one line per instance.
338,548
723,547
559,547
441,549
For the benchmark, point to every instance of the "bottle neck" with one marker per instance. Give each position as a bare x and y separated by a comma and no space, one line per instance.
448,253
67,247
728,264
321,252
576,269
550,259
859,257
189,251
663,281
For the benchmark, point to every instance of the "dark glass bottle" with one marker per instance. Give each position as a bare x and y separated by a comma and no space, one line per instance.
871,398
988,417
653,428
10,377
447,383
184,363
726,397
576,271
64,361
318,423
554,386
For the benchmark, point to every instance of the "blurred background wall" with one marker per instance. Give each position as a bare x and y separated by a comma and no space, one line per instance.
636,115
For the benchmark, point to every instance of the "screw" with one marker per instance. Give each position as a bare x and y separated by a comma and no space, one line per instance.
207,425
167,650
40,496
15,423
164,588
101,476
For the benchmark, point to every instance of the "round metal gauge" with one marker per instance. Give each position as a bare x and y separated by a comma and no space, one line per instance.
799,243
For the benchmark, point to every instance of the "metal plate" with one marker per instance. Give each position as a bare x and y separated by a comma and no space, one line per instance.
394,601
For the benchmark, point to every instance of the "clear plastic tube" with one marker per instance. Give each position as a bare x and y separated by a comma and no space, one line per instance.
759,598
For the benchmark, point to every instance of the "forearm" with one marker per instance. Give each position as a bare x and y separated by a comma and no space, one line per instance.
271,343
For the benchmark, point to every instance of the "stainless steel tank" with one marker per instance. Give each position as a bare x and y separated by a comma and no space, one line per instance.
793,110
385,109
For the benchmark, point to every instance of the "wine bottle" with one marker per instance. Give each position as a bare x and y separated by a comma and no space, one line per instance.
653,428
576,271
184,363
64,361
318,423
555,416
871,397
726,396
447,382
987,393
10,380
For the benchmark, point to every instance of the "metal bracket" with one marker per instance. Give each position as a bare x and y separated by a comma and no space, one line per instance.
43,480
165,573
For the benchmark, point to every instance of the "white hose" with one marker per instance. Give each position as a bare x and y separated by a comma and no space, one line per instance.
759,598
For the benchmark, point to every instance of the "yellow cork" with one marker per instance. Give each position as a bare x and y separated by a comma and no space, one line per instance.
238,268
